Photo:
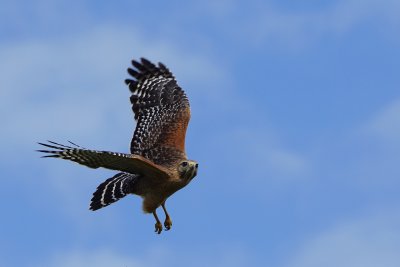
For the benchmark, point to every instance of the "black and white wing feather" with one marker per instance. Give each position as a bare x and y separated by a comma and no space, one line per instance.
133,164
161,110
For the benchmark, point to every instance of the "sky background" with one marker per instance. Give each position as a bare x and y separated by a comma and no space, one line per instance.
295,125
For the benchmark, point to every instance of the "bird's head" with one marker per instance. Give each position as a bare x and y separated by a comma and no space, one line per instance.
187,169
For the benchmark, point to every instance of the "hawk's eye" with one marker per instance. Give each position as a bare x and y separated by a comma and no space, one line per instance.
184,164
197,165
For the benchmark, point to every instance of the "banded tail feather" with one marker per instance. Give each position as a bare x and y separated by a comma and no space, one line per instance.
112,190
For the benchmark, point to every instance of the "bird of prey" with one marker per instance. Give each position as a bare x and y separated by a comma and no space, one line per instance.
157,166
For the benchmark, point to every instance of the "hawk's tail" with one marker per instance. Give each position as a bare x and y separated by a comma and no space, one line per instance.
112,190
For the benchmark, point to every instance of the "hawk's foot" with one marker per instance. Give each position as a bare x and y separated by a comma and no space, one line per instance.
158,227
167,223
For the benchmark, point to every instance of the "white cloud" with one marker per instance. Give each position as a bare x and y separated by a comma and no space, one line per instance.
72,88
51,87
261,153
377,142
386,123
366,242
154,256
272,25
100,258
287,161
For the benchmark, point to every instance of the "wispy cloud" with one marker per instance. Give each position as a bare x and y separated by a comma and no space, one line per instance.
261,153
51,86
273,25
370,241
100,258
71,88
154,256
385,124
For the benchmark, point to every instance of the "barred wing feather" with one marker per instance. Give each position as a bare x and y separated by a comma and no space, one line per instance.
160,106
134,164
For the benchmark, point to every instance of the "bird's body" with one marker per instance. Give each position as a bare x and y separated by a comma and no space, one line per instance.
157,166
155,192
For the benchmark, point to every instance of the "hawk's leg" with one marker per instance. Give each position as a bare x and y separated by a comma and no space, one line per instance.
167,222
158,224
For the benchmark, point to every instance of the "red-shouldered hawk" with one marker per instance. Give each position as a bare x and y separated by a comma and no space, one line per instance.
157,166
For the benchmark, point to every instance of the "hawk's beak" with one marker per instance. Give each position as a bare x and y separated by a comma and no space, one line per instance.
194,172
190,173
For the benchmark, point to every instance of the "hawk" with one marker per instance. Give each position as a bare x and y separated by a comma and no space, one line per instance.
157,166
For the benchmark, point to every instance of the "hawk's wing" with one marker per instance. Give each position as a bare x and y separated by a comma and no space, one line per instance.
134,164
161,110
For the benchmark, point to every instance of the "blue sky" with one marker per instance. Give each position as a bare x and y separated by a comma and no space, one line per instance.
295,125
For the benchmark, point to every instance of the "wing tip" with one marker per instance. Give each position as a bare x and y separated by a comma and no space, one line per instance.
144,67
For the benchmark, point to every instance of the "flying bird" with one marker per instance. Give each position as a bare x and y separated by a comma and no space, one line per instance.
157,165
